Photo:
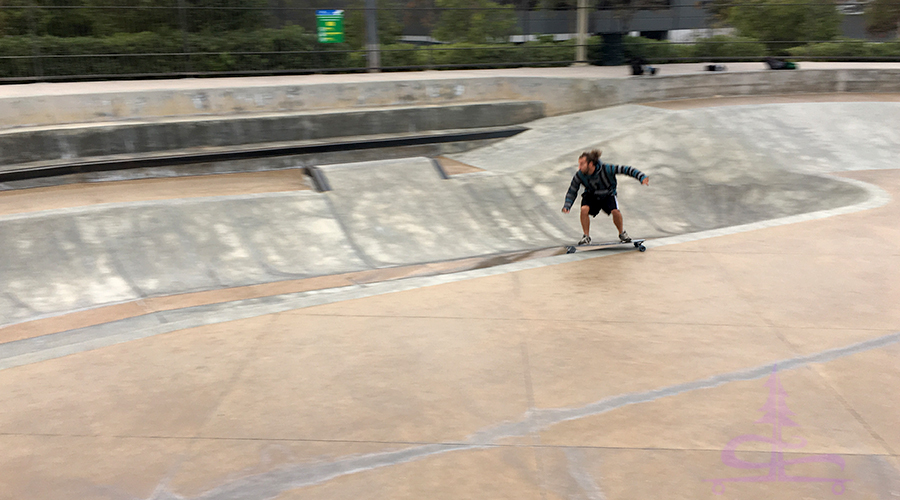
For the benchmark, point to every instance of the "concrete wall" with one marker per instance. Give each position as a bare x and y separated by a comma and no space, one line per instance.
561,95
50,144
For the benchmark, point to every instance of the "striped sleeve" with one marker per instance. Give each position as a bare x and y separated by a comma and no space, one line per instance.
633,172
572,193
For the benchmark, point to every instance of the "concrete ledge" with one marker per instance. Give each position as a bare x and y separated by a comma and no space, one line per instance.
291,153
569,97
562,90
94,140
178,118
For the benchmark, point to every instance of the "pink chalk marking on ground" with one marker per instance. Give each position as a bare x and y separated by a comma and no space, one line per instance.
776,413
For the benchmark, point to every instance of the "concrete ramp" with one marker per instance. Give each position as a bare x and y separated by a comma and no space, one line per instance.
378,214
65,260
402,212
709,168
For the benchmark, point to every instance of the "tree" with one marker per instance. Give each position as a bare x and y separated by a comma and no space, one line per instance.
475,21
717,11
883,17
63,18
387,19
134,16
419,16
781,25
15,18
86,18
211,16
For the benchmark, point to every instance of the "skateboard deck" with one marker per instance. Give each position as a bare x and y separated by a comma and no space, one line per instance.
639,244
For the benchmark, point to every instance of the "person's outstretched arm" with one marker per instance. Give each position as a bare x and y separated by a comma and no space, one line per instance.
572,193
633,172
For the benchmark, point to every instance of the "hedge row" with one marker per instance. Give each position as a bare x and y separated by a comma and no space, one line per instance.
288,49
736,48
848,49
469,55
707,49
293,50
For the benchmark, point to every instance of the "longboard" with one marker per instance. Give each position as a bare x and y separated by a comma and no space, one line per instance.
639,244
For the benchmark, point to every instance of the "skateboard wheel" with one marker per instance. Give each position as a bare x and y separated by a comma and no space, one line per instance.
642,248
570,249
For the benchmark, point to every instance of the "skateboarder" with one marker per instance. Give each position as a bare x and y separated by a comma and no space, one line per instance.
599,181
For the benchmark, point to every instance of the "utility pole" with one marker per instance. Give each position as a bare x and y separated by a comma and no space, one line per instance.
373,54
581,48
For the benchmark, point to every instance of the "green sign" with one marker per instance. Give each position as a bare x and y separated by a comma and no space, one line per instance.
330,25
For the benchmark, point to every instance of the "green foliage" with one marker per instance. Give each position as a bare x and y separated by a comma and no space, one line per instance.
212,17
595,50
718,47
658,51
721,46
470,55
287,49
467,55
269,50
399,55
87,55
718,12
792,23
14,19
387,18
292,49
134,16
883,16
553,53
475,21
847,49
93,18
16,63
885,50
53,17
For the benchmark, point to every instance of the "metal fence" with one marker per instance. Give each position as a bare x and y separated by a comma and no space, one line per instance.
43,40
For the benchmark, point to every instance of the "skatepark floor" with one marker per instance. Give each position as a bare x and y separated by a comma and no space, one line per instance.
758,364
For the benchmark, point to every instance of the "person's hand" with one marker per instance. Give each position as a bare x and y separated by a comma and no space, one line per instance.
565,210
646,181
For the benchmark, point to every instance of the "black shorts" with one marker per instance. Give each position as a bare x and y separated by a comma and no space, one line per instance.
605,202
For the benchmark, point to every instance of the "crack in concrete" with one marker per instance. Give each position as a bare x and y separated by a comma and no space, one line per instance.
270,484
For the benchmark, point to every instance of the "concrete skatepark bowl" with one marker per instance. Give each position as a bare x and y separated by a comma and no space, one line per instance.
417,332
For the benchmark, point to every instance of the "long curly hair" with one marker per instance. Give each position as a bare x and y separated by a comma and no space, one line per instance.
592,156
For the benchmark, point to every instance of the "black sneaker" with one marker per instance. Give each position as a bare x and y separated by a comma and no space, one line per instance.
624,238
584,241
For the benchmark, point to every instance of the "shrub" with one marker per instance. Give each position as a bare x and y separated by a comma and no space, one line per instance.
885,50
555,53
288,49
657,51
847,49
397,55
595,50
468,55
782,25
729,47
